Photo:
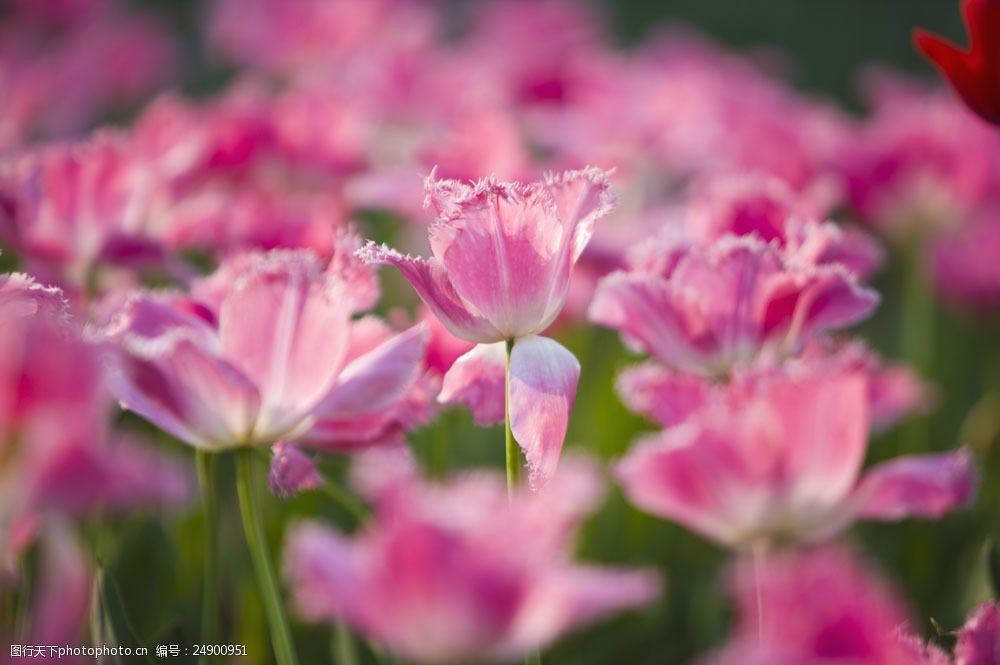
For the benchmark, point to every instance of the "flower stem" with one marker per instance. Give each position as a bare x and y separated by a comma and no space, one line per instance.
205,464
344,648
284,651
759,553
513,454
917,331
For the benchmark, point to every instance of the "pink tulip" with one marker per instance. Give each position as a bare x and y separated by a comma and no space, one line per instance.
91,56
76,207
979,639
768,208
261,352
708,310
779,458
60,457
921,162
668,398
500,272
819,607
456,572
964,264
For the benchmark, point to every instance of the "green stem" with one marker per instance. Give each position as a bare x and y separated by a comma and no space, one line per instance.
917,331
281,637
344,648
205,464
513,463
917,334
513,453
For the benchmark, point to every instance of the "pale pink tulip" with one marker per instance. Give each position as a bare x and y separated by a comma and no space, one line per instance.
500,272
456,572
264,349
779,458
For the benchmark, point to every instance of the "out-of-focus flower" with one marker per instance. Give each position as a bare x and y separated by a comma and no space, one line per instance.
291,470
92,57
73,208
919,162
964,264
455,572
59,454
970,72
58,609
979,639
262,350
500,273
767,207
336,38
819,607
667,397
778,458
706,310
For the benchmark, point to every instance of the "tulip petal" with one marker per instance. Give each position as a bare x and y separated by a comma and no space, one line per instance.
378,378
543,379
285,325
476,380
917,486
664,396
434,288
187,392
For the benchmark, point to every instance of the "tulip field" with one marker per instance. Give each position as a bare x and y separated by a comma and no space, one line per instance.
403,332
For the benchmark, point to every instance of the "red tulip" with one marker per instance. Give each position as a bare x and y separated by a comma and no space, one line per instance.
974,73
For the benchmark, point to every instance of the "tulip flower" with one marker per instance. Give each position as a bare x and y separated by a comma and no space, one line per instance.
74,208
60,457
778,458
979,639
499,276
459,572
259,354
708,310
971,72
667,397
818,607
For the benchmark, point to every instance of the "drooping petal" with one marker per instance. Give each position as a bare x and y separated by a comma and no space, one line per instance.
543,379
435,289
476,380
378,378
917,486
291,471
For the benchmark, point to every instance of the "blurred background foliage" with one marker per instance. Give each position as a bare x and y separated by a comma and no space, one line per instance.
152,567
